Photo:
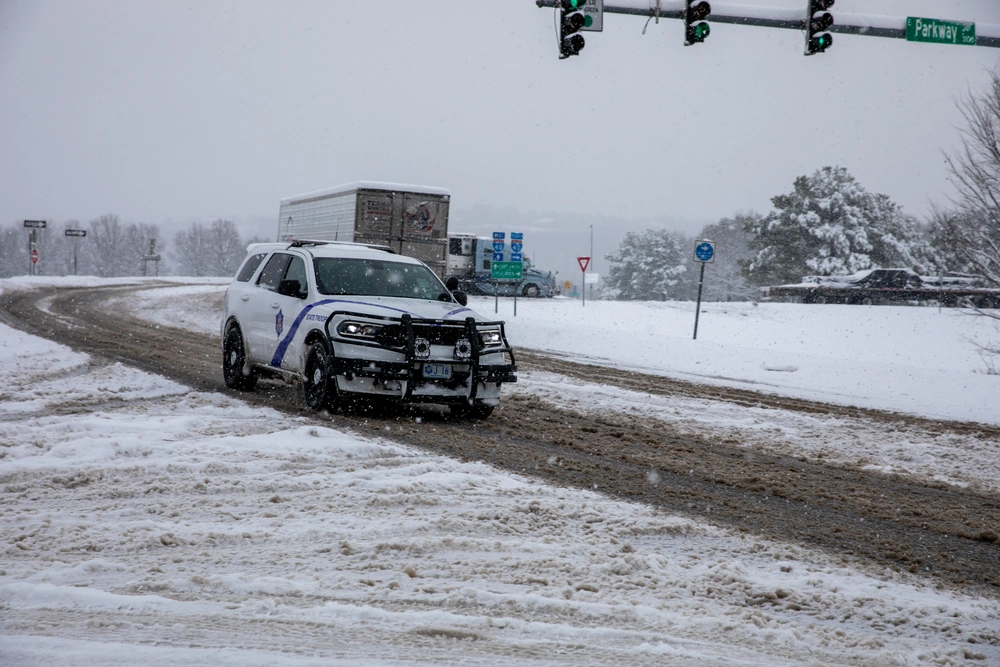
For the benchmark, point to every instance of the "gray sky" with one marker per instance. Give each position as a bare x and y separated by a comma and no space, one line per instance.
170,110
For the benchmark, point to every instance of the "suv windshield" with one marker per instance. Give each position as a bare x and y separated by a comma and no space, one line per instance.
373,277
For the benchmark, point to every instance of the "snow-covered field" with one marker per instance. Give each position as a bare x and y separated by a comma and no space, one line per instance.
144,523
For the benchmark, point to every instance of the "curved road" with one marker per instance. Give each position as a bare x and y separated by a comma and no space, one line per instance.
942,532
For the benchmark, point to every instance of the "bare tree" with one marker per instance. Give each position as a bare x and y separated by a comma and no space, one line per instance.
192,250
972,230
114,249
228,248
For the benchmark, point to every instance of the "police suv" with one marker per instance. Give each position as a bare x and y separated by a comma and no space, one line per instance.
355,321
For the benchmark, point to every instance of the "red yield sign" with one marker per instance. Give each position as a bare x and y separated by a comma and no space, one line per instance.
34,255
584,262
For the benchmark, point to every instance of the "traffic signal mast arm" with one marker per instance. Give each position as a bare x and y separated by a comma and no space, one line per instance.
865,25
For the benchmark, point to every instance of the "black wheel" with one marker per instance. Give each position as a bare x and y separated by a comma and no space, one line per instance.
820,299
531,291
234,358
867,301
320,390
478,410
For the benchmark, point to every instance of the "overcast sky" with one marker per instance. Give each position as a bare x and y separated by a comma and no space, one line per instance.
171,110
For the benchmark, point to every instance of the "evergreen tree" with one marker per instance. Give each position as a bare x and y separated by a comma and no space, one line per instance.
650,265
830,225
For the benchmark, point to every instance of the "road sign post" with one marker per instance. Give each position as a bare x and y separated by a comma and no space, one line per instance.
34,226
584,262
704,252
75,233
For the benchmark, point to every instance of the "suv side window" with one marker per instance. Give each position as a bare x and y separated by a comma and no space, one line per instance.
273,271
297,271
250,267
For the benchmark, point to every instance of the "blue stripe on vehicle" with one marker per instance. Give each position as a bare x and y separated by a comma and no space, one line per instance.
279,353
456,312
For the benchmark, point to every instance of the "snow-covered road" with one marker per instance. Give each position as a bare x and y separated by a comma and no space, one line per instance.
145,523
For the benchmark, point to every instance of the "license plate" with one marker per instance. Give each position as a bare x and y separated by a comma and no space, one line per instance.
437,371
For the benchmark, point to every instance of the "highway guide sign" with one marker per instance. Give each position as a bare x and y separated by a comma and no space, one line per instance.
940,32
506,271
498,241
704,251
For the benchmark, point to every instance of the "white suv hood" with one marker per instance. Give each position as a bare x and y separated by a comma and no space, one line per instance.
385,306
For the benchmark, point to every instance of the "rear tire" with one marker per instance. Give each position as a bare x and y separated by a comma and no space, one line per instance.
478,411
319,389
234,359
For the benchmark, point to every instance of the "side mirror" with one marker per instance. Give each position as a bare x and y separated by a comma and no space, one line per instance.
291,288
451,283
461,297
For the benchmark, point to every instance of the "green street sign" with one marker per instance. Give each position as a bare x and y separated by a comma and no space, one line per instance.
506,271
940,32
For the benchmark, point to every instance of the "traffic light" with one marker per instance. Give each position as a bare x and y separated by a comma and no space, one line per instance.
818,20
695,28
571,19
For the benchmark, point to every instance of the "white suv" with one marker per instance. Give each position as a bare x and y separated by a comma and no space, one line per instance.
357,321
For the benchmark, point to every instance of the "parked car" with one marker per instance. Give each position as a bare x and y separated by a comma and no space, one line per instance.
354,321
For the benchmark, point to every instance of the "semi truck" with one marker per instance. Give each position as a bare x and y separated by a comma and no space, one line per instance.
882,286
470,260
412,220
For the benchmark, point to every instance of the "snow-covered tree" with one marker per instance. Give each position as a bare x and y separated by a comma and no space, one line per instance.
650,265
828,225
724,279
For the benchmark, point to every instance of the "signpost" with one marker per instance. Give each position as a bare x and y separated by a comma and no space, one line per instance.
704,252
584,262
940,32
34,226
75,233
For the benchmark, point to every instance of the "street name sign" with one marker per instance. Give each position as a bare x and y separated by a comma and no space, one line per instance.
937,31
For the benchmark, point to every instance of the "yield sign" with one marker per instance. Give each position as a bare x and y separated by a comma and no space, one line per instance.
584,262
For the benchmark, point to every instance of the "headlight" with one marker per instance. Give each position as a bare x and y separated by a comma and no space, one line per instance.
358,329
463,349
490,338
421,348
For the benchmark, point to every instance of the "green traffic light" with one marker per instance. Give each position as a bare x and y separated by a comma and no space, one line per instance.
696,33
588,21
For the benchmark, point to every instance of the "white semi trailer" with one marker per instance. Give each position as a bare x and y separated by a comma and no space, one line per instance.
411,219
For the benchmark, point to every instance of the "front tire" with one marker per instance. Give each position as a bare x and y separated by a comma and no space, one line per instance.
531,291
234,359
319,389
